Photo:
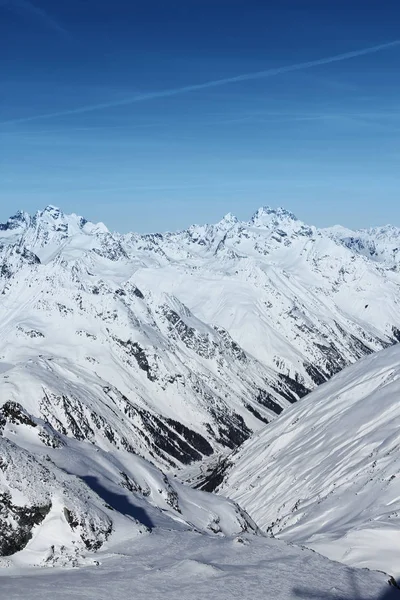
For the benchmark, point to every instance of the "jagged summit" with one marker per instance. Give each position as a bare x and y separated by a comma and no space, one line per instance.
20,219
228,220
51,216
49,231
266,215
53,211
54,215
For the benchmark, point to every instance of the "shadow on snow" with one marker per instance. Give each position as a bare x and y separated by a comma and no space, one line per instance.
391,592
118,502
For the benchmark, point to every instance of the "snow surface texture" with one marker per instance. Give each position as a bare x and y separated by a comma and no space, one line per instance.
134,531
326,474
167,565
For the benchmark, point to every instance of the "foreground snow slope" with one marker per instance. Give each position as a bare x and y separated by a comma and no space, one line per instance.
168,565
134,532
326,474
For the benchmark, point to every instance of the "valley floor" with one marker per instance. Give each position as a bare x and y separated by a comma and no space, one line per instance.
193,566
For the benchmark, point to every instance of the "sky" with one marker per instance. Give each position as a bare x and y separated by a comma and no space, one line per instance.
152,115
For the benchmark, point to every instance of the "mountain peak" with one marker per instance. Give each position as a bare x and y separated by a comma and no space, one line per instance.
228,219
51,212
54,217
20,219
267,215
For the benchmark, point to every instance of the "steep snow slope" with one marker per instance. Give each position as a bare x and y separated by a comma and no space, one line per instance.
326,474
177,346
131,529
129,369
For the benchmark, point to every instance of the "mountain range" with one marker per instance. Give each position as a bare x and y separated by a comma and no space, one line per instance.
177,346
132,362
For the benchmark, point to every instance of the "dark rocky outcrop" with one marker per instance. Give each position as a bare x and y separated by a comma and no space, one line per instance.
17,523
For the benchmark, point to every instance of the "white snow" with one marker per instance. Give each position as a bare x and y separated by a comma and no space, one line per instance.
187,565
294,300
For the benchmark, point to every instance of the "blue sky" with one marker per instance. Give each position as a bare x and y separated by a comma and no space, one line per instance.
103,110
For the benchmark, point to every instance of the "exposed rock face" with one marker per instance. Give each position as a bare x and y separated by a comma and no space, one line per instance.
17,523
28,488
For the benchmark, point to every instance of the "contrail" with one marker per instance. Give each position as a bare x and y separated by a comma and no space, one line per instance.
210,84
27,7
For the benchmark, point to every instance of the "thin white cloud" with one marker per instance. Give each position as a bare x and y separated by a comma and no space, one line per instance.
27,8
209,84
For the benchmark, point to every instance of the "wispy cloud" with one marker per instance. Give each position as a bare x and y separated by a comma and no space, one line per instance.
209,84
362,118
27,8
94,129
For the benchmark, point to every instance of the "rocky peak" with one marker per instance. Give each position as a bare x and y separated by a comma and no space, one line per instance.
21,219
53,218
267,216
228,221
52,211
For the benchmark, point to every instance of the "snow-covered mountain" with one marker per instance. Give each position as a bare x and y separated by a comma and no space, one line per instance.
293,296
123,356
67,503
326,474
177,346
381,244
